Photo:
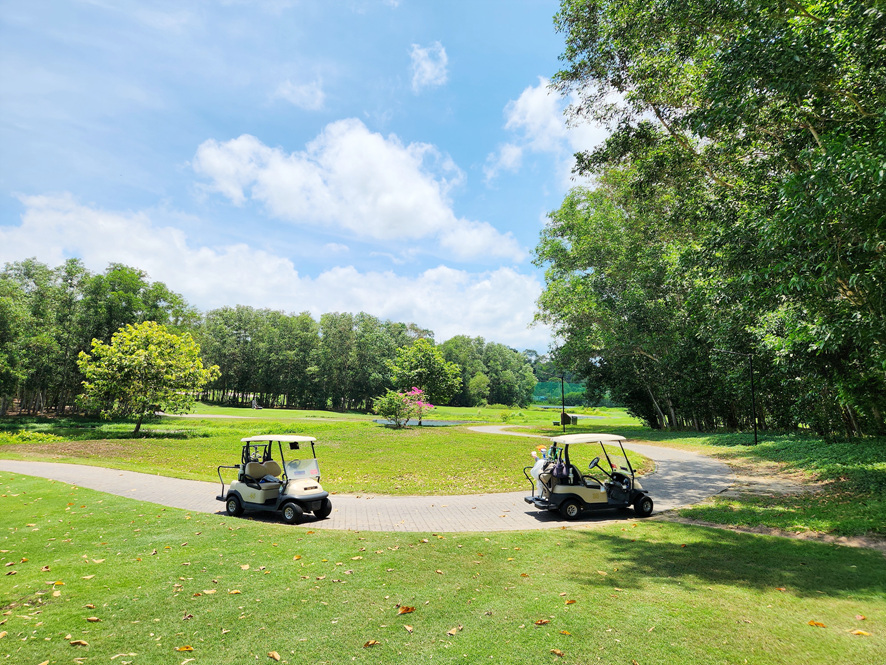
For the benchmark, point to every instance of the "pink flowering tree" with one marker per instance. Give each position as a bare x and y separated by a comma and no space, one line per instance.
400,408
419,406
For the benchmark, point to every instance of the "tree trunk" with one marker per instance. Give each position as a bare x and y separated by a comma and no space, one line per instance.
662,420
138,424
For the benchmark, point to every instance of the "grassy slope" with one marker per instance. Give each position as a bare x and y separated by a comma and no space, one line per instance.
645,591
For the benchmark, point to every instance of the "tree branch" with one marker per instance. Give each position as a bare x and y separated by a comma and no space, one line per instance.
682,140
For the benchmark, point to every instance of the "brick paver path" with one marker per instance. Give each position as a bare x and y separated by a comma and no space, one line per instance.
681,478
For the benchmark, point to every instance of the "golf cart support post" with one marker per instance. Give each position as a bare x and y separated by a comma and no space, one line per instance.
563,488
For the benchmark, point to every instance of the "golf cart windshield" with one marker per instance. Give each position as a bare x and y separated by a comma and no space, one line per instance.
619,463
302,468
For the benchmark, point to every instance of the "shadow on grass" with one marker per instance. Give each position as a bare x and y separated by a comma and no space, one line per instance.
718,557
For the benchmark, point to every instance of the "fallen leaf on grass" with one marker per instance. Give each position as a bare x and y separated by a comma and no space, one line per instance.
371,643
405,610
565,632
88,577
542,622
209,592
602,572
234,592
859,617
858,632
79,643
570,602
408,630
557,652
45,662
453,631
93,619
245,566
44,569
817,624
4,634
273,655
187,647
188,660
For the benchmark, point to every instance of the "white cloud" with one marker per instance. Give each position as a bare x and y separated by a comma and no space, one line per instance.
508,158
307,96
355,181
496,304
428,66
538,124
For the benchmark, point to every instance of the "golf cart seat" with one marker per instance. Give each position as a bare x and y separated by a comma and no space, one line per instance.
256,472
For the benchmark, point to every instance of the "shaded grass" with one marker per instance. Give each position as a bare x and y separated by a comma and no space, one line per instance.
648,591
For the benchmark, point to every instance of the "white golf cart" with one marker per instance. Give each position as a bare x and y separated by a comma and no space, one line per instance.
559,486
291,488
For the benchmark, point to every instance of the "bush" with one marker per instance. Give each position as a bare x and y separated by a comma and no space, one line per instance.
27,437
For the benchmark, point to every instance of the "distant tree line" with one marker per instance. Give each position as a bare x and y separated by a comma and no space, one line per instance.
342,361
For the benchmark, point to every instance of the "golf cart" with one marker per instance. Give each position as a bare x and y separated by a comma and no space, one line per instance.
559,486
264,485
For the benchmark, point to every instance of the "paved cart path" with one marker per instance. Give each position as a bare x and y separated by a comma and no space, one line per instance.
680,479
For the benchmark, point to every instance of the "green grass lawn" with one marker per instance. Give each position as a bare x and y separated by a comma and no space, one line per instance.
356,454
137,582
359,456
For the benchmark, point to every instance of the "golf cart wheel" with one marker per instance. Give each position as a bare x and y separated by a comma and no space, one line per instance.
570,509
323,511
233,507
292,513
643,506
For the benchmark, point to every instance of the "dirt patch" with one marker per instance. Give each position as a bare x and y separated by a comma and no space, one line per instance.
46,452
768,479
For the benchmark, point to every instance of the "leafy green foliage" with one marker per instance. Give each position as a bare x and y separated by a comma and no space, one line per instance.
143,369
750,210
422,365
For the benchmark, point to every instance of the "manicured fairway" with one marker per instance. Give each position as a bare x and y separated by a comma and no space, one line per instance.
141,584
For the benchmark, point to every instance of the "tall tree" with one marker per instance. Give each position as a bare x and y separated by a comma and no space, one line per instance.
144,368
423,366
763,164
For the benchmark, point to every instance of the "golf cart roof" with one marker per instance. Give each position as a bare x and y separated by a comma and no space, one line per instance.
283,438
571,439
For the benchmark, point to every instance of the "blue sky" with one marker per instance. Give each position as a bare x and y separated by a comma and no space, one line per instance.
394,157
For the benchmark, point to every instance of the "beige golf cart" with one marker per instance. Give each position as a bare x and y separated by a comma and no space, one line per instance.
291,487
559,486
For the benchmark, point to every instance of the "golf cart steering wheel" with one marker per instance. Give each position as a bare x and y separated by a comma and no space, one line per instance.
594,462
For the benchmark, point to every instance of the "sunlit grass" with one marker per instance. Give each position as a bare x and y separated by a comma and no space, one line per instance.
234,590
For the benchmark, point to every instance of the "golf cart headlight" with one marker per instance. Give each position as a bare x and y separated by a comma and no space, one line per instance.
311,487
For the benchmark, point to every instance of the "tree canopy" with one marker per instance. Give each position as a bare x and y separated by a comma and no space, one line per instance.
739,205
144,368
421,365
